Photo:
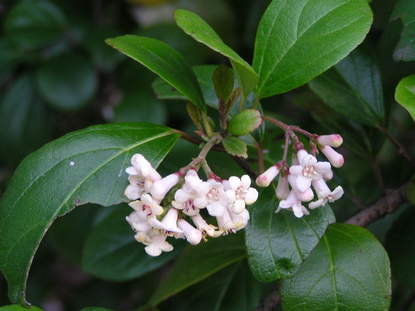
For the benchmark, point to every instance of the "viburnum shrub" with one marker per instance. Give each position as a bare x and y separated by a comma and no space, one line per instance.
274,209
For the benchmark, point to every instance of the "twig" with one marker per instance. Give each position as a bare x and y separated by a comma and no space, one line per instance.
385,205
270,301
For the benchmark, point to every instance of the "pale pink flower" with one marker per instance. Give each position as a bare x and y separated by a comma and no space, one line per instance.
282,190
192,235
268,176
335,158
333,140
334,195
160,187
240,193
158,245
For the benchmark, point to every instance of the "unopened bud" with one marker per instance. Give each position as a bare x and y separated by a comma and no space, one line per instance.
333,140
335,158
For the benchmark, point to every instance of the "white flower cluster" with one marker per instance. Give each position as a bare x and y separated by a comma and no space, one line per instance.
294,187
225,200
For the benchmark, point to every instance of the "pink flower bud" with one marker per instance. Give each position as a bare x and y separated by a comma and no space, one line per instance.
333,140
266,177
335,158
282,190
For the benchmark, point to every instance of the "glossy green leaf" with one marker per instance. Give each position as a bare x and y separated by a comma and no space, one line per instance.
19,308
223,81
400,244
24,120
196,27
164,61
354,88
278,243
405,49
235,146
198,262
348,270
204,75
112,253
233,288
67,81
33,24
245,122
298,40
405,94
80,167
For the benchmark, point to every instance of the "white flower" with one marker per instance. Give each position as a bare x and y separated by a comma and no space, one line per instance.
158,245
169,222
266,177
138,221
216,198
294,203
240,220
225,222
309,169
306,195
146,203
192,235
142,176
192,196
336,194
160,187
240,193
203,226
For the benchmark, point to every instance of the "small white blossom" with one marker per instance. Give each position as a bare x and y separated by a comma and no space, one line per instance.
309,169
293,203
336,194
240,193
158,245
203,226
216,198
169,222
160,187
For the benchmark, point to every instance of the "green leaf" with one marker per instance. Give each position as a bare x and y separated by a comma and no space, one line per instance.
348,270
196,27
67,81
86,166
298,40
231,289
19,308
223,81
198,262
24,120
354,88
235,146
164,61
278,243
34,24
405,94
112,253
204,75
410,192
405,49
245,122
400,244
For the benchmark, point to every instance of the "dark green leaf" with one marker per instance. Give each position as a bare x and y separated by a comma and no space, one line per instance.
140,105
112,253
348,270
19,308
33,24
278,243
235,146
298,40
223,81
198,262
204,76
400,244
405,49
232,289
164,61
405,94
245,122
67,81
353,88
196,27
81,167
24,121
